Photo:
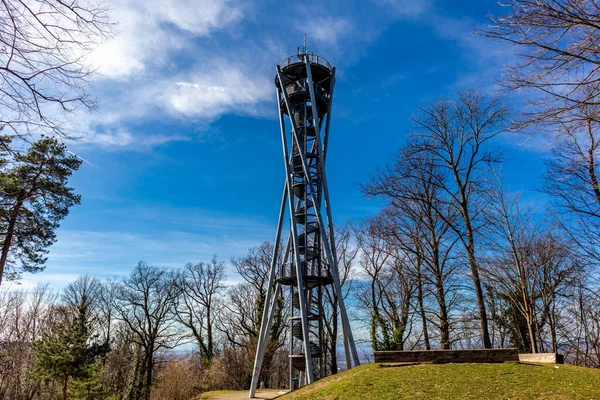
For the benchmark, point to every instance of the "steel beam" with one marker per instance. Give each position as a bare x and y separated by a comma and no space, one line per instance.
260,351
328,123
294,233
334,268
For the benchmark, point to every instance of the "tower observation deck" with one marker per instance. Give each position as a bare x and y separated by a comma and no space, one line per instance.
304,85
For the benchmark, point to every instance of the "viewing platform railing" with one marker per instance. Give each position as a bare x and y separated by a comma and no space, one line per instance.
314,59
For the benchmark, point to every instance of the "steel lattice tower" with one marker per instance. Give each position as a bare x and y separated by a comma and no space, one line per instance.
304,96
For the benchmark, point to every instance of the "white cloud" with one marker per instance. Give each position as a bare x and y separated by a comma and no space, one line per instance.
143,77
203,94
148,31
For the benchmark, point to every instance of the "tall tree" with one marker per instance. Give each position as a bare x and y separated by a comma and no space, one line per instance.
572,179
528,266
34,199
69,351
201,285
242,314
417,220
346,253
456,135
389,287
145,302
512,278
558,69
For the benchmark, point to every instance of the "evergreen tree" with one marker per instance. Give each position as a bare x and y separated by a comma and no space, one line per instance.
69,352
34,198
90,387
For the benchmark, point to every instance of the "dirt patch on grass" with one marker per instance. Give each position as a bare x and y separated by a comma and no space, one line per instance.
397,365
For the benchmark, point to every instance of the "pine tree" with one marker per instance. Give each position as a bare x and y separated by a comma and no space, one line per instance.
69,352
34,198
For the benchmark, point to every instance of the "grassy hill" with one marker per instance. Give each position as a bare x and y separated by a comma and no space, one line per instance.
456,381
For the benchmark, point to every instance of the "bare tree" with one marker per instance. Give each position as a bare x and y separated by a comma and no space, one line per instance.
572,179
85,287
372,261
389,287
558,68
201,285
106,304
456,136
555,42
242,313
25,316
529,268
580,328
346,253
43,68
145,302
417,221
508,266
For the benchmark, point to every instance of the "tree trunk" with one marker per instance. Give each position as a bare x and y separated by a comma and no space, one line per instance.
149,367
441,298
553,327
9,237
64,388
530,331
334,330
422,307
374,317
485,334
334,365
444,323
209,334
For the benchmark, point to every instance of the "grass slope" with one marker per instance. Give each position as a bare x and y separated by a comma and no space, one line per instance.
456,381
237,394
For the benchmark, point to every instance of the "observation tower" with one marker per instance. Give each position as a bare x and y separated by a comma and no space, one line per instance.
304,85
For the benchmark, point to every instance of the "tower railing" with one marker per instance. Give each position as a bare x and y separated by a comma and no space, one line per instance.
300,58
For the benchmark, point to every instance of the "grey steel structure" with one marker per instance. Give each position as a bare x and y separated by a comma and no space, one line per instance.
304,96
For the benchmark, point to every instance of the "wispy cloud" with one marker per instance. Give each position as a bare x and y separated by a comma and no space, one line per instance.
329,30
181,236
408,8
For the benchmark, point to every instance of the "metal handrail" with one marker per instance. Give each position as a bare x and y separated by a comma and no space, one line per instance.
301,86
314,59
288,269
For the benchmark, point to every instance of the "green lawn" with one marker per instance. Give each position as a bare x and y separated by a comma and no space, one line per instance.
456,381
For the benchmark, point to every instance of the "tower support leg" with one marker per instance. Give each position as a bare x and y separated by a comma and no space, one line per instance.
348,338
265,322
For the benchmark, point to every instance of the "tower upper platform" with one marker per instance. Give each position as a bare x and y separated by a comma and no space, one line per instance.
294,77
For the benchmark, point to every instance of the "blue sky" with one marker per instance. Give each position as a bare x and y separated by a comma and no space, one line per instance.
184,154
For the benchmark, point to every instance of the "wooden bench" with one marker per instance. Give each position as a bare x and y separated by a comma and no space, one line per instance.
448,356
